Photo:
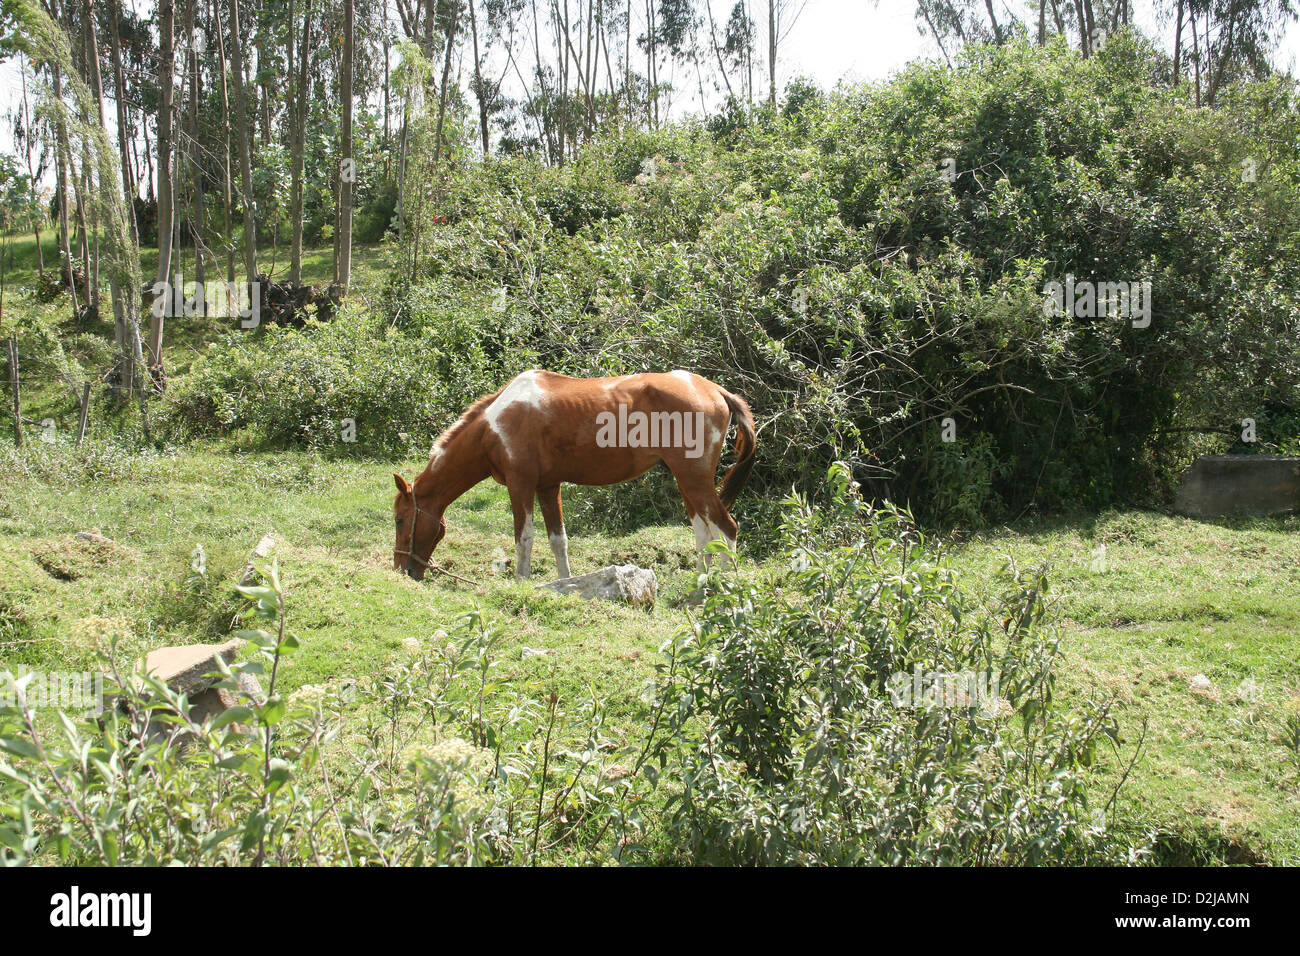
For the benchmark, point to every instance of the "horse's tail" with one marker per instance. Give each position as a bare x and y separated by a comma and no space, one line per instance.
746,446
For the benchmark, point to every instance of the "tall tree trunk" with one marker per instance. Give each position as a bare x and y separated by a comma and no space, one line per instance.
442,93
62,162
200,267
1178,43
123,132
348,170
97,91
299,144
478,84
166,208
227,185
771,51
1196,62
717,50
245,160
997,30
31,173
1085,40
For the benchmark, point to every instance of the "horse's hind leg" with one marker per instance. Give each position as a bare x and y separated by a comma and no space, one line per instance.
553,513
709,516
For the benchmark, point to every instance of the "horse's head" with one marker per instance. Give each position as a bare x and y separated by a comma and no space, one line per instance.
418,531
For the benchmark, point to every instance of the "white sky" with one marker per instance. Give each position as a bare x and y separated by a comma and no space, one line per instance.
862,40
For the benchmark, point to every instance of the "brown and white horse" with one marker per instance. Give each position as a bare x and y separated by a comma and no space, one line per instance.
544,429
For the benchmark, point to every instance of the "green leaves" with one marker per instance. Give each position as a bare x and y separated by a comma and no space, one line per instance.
856,709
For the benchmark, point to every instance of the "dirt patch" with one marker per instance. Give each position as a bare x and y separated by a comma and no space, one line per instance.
68,558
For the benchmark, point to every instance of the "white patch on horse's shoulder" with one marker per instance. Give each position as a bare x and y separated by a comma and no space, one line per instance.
523,389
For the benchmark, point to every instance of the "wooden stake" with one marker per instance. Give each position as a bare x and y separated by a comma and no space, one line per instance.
13,381
85,410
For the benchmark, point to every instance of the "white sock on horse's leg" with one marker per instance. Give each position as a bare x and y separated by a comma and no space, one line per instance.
701,526
727,562
524,551
560,548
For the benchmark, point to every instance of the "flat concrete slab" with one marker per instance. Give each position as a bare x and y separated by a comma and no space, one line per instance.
1239,484
187,668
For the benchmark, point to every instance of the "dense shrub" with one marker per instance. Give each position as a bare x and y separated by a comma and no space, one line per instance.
302,387
796,738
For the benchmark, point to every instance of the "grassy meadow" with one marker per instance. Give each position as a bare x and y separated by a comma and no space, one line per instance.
1165,601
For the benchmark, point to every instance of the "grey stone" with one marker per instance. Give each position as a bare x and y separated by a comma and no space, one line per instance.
187,669
93,536
1239,484
617,582
260,553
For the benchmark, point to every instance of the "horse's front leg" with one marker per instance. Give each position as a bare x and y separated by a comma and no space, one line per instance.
521,502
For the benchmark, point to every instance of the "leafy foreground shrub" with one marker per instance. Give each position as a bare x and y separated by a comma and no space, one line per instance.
789,741
411,768
770,735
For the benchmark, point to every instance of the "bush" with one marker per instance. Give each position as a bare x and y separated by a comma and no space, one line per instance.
791,731
353,385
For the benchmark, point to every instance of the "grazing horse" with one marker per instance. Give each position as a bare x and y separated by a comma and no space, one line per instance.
544,429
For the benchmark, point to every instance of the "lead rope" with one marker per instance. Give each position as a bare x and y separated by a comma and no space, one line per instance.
410,547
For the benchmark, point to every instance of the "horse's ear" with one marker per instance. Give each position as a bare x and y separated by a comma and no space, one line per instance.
402,486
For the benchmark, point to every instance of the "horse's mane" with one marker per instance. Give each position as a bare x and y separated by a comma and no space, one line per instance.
467,417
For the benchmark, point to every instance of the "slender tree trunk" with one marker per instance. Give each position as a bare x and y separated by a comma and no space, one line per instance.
1178,43
245,160
96,84
387,112
479,94
446,79
227,185
717,50
31,172
997,30
63,160
348,173
196,167
1085,41
123,133
299,144
1057,19
166,207
771,51
1196,62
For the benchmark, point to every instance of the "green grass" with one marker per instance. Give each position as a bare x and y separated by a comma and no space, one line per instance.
1171,599
1174,599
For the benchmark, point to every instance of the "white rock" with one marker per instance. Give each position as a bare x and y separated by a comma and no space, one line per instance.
617,582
